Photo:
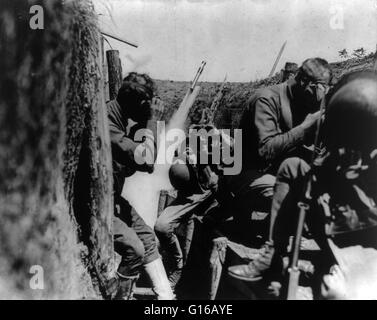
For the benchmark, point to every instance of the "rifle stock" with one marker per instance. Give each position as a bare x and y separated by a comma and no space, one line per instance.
294,275
294,272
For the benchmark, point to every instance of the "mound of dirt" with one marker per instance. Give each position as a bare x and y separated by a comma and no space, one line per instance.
236,94
48,103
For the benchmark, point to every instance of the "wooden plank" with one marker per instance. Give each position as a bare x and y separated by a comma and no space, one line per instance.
145,292
101,182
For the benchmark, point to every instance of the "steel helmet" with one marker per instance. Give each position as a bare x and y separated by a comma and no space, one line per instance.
351,114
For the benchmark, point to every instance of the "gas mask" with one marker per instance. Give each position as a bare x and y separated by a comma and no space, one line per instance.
314,92
352,188
142,110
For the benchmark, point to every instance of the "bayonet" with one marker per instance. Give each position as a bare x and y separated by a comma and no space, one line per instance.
198,73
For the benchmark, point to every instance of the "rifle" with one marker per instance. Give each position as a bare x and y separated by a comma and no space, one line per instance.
304,206
208,115
277,60
180,116
198,73
207,121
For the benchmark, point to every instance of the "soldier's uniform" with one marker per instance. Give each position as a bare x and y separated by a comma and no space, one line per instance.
134,240
273,130
343,213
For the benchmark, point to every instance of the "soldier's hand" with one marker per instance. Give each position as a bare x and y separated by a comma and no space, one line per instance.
354,277
319,150
311,120
213,183
157,108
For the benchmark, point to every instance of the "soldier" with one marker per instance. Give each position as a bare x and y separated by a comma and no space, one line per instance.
134,241
278,123
347,177
289,71
196,186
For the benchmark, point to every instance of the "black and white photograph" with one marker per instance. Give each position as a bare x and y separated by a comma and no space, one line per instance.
196,150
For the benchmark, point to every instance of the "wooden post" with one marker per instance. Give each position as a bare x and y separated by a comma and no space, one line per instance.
216,261
104,69
114,71
101,183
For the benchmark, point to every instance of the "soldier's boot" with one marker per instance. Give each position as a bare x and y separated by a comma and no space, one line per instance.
121,287
258,267
126,287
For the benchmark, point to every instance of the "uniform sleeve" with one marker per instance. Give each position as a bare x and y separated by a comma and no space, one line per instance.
123,148
272,143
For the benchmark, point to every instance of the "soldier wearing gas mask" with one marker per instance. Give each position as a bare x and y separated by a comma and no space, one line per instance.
135,107
278,123
342,215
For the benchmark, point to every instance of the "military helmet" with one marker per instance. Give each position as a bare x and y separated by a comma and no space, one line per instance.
351,114
183,178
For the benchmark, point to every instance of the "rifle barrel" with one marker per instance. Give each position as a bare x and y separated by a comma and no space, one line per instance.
304,207
277,60
198,73
301,220
216,100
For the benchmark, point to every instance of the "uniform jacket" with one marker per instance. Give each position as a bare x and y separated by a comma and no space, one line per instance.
271,128
122,146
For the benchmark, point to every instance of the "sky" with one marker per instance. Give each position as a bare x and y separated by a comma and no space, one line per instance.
240,38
